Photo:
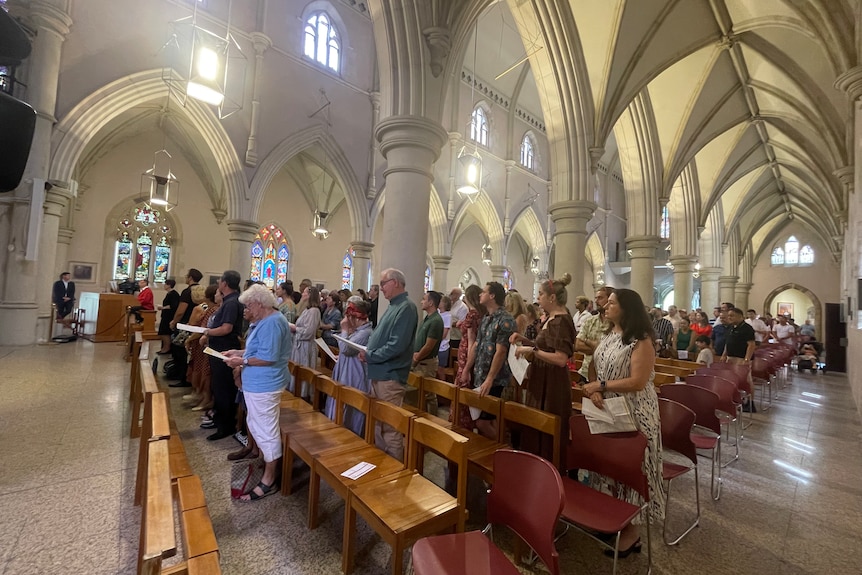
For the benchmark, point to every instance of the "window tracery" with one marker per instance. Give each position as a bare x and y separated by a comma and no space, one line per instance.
321,41
269,256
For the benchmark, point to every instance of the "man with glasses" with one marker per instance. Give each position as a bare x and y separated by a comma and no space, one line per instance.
390,354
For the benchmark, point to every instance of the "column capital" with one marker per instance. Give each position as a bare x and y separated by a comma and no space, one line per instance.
261,42
728,279
56,200
743,287
48,17
710,274
441,261
242,231
683,264
572,215
410,132
497,272
65,235
850,82
642,246
362,249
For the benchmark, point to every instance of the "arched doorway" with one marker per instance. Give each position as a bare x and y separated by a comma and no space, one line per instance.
803,305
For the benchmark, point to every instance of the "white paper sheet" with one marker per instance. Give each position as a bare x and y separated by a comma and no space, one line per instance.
325,347
350,343
358,470
682,353
191,328
475,412
210,351
518,365
612,418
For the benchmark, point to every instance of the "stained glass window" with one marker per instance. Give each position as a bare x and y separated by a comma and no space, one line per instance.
508,280
778,256
321,42
143,246
806,255
347,270
527,152
427,279
791,251
664,230
269,256
479,126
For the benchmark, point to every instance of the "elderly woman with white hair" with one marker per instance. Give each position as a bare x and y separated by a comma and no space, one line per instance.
264,372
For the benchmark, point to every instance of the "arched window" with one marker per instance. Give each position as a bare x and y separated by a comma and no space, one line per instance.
321,42
508,280
806,255
269,256
528,152
664,230
791,251
479,126
427,278
347,270
143,247
778,256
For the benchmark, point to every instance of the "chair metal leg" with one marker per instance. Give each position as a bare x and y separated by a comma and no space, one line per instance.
716,465
667,511
737,437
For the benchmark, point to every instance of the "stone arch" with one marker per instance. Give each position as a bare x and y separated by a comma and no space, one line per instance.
486,216
534,232
296,143
595,254
72,134
818,305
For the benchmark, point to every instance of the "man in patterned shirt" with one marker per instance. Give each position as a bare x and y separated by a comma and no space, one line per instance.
489,354
592,331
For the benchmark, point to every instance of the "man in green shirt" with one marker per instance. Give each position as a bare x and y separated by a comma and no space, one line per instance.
427,344
390,354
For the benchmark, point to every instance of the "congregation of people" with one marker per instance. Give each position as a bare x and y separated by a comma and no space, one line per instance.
258,330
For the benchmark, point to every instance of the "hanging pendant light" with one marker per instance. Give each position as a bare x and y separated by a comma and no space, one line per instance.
159,184
486,254
471,173
318,225
534,264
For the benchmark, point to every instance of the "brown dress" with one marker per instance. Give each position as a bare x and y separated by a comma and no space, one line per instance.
548,387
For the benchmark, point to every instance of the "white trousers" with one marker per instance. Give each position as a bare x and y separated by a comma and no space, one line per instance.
262,421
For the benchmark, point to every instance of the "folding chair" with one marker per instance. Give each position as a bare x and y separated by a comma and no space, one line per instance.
676,423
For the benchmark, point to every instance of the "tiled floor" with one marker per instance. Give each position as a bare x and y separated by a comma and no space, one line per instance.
790,505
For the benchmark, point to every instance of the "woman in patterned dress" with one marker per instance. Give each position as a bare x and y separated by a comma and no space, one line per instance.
624,362
469,330
304,332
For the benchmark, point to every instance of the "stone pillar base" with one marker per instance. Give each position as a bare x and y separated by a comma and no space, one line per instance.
19,323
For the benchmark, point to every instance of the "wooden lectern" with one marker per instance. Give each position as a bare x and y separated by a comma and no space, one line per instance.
105,315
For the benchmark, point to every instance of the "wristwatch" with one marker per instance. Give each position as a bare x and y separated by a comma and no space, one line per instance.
603,384
245,362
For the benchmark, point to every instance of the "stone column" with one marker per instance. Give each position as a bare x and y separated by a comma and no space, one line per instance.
570,221
64,240
497,274
18,308
726,289
241,237
709,289
261,44
411,145
441,273
740,295
361,264
683,283
643,265
56,200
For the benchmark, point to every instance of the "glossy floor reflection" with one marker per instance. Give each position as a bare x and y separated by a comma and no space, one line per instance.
790,505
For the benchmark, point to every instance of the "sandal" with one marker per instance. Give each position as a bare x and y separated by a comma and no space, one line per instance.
265,489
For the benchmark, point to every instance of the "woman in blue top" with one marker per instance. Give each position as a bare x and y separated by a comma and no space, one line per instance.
349,370
331,321
264,374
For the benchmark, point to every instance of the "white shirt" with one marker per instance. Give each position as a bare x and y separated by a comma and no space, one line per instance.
580,317
784,333
760,329
447,324
459,313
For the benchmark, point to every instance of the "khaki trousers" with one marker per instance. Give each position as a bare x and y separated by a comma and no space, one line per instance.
387,437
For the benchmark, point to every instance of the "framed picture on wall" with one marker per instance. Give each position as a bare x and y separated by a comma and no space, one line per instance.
785,308
84,272
213,278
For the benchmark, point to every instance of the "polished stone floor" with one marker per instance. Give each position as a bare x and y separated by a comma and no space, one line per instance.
791,504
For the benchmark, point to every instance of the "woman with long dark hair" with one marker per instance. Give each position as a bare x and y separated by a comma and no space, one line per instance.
624,365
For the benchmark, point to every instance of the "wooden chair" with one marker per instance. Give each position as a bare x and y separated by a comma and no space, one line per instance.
303,381
330,465
660,379
155,426
142,382
480,446
442,389
405,506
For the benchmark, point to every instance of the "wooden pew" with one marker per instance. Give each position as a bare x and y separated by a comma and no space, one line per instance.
157,540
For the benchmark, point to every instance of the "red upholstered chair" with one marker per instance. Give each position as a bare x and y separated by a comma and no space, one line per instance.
618,456
729,406
527,497
676,423
737,373
703,403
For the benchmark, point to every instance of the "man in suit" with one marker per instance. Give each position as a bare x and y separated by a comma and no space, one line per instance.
63,296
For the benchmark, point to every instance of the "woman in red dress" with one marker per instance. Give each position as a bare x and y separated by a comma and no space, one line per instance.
469,329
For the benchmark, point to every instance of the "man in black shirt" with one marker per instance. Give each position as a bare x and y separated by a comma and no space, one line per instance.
739,339
182,315
224,335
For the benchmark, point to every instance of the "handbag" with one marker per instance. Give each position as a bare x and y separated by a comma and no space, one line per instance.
180,338
245,474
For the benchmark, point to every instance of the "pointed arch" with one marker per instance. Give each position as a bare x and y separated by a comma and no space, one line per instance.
486,216
533,228
595,253
77,128
296,143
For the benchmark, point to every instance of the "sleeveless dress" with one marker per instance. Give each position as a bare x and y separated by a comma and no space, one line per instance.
549,388
200,363
613,360
471,322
